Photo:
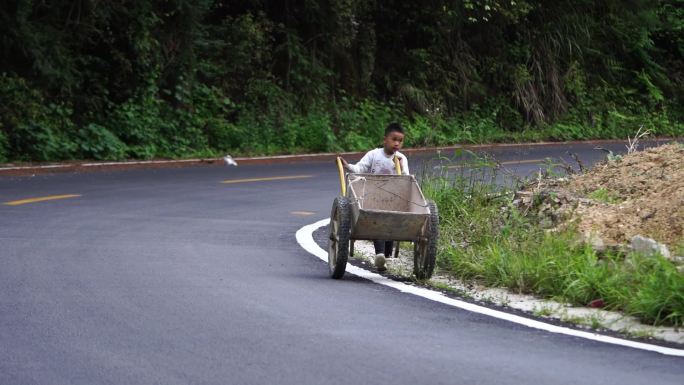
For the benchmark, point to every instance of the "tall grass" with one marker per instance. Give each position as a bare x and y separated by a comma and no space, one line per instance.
485,238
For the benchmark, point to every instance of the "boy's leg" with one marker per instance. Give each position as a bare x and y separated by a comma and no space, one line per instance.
379,246
389,245
379,257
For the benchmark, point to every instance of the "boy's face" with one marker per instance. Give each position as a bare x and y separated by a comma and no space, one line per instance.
393,142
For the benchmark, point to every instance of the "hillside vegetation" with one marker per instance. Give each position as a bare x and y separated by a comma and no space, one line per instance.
142,79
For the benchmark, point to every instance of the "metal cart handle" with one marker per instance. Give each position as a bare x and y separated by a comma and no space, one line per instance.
340,168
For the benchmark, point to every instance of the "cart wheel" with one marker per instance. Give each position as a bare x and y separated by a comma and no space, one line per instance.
425,250
338,243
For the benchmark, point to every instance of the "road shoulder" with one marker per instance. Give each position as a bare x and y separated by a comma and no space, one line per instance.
312,239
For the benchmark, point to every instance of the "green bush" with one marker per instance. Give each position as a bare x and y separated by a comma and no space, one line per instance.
214,111
97,142
137,122
34,129
360,124
309,133
3,146
179,78
41,140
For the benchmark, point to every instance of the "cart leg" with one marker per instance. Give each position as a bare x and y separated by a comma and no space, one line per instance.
396,249
351,248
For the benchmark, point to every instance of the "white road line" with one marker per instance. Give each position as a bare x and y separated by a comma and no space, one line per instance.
305,239
30,167
103,164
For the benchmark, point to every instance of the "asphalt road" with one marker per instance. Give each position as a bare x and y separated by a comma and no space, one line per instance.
168,276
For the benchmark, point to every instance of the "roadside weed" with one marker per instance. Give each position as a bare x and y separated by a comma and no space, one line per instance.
484,238
639,333
544,311
595,321
573,319
445,287
603,195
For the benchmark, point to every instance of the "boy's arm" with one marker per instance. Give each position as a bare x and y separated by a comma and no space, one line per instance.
363,166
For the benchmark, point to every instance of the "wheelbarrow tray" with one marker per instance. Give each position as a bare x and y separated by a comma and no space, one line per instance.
387,207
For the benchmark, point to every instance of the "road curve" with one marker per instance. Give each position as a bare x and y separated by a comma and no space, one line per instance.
169,276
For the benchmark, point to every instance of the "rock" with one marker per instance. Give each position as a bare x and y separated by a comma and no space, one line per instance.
647,214
649,247
545,223
596,242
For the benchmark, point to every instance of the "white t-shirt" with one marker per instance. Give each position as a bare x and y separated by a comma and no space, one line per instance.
377,162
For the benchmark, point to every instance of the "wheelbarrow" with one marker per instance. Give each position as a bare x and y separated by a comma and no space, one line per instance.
384,207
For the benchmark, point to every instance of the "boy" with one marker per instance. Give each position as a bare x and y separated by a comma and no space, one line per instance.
381,161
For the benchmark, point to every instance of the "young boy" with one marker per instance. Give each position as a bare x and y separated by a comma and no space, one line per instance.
381,161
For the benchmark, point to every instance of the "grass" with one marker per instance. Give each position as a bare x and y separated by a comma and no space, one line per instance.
544,311
641,334
592,321
485,238
444,287
603,195
574,319
595,322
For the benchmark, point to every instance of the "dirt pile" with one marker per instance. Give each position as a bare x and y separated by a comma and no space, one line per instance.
636,194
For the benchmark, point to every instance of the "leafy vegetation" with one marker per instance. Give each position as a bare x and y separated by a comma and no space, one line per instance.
480,242
113,80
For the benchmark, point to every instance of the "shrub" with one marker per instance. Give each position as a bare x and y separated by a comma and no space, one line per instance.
137,122
97,142
360,124
309,133
34,128
3,147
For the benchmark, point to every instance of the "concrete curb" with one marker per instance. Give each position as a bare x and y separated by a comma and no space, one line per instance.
76,166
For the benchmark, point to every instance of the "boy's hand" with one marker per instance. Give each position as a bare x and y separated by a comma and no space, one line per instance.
400,160
344,162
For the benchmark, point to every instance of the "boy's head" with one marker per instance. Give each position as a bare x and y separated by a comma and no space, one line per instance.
394,138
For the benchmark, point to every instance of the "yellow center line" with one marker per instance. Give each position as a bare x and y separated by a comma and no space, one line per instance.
231,181
506,163
41,199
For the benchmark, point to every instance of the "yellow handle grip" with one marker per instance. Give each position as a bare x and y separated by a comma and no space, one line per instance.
340,168
397,165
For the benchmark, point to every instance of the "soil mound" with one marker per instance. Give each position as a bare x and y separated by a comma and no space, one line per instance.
636,194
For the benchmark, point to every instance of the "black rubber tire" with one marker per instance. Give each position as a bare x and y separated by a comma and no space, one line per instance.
338,239
425,251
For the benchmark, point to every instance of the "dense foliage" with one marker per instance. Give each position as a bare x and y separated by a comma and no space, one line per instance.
119,79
